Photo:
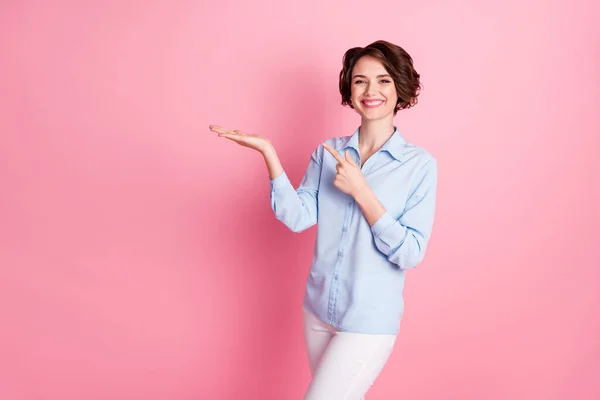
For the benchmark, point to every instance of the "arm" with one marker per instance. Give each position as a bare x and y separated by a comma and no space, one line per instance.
297,209
272,161
404,241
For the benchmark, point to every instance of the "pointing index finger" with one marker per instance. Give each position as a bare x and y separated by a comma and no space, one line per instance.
334,153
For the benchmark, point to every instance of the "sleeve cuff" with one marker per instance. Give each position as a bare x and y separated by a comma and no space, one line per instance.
383,223
281,181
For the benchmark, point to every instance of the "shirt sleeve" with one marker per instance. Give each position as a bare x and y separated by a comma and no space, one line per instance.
298,208
404,240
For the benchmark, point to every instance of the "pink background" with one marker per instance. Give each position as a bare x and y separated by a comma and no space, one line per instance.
139,255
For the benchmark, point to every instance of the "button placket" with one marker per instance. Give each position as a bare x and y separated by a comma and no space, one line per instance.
335,282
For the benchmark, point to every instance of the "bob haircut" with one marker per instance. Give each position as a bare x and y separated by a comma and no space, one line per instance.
397,62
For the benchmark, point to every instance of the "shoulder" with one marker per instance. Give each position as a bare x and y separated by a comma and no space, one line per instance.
419,156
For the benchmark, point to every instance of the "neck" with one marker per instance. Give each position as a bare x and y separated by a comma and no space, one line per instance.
373,134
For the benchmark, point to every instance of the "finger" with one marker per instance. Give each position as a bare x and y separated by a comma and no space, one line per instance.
216,128
240,132
340,178
349,158
339,184
220,129
234,137
229,136
334,153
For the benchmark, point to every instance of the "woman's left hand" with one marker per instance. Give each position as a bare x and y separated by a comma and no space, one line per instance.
349,178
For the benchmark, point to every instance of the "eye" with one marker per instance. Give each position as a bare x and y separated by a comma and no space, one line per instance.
385,81
358,81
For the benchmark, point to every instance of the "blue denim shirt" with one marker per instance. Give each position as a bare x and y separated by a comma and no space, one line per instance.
357,274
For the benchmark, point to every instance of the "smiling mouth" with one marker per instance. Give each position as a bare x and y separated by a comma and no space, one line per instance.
372,103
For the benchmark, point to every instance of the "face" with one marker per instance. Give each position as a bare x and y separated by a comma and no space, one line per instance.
373,92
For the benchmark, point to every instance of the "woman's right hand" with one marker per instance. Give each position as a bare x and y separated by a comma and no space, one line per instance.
255,142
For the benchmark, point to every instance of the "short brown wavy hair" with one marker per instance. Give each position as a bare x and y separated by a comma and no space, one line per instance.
397,62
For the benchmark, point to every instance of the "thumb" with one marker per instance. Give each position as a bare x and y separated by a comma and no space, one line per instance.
349,157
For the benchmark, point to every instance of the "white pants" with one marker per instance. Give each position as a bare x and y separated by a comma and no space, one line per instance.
343,365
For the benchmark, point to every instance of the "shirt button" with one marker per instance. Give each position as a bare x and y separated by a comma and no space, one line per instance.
345,229
340,253
350,204
335,277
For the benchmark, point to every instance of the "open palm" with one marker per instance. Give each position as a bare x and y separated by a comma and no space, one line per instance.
252,141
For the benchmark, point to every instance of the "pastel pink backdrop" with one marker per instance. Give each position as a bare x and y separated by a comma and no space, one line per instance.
139,255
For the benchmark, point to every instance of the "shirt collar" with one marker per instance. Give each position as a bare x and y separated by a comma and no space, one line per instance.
395,145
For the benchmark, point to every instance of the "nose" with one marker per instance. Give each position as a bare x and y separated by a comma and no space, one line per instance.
371,89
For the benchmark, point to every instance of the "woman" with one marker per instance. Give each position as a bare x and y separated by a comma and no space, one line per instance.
373,195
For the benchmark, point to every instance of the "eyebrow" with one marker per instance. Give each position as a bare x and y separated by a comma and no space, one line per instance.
378,76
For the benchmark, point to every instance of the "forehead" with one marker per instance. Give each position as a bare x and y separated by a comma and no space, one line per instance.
368,66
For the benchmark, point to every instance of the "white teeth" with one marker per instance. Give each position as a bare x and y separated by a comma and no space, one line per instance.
373,103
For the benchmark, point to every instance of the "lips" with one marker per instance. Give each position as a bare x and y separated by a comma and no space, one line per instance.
372,103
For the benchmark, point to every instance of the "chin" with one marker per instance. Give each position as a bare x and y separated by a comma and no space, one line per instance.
374,116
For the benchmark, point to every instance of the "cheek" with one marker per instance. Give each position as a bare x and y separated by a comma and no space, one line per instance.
356,91
391,93
392,98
